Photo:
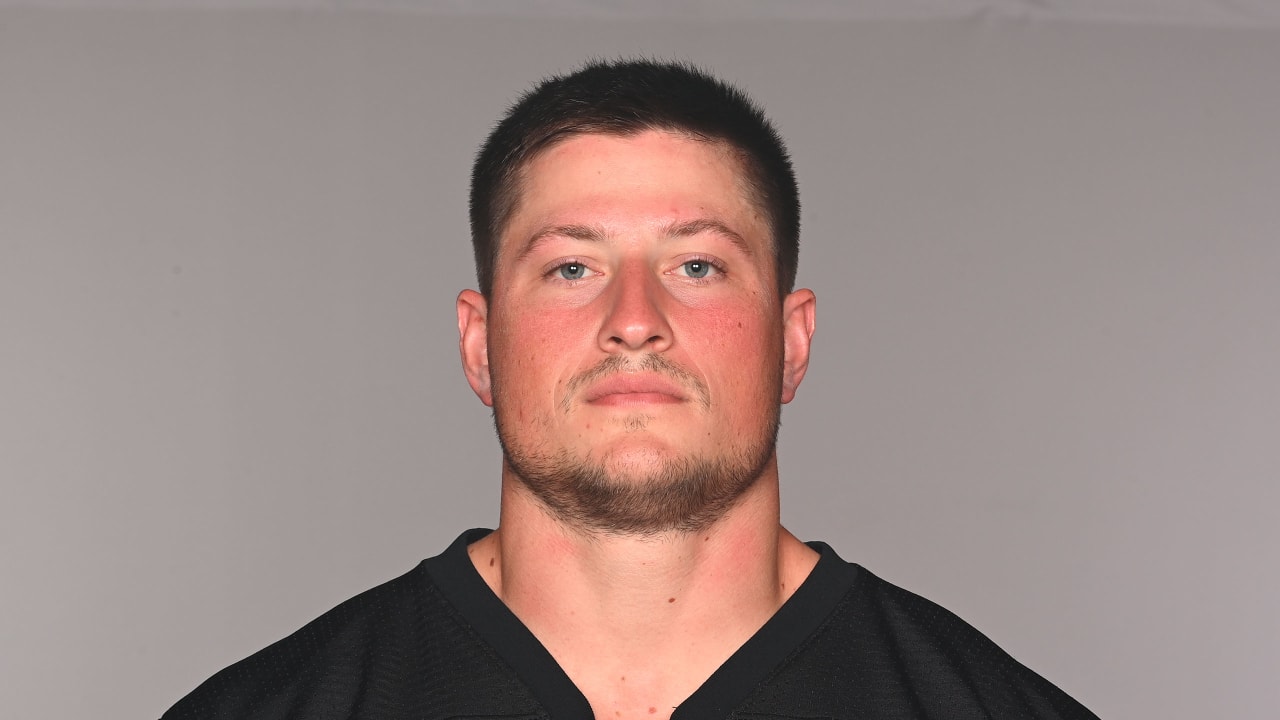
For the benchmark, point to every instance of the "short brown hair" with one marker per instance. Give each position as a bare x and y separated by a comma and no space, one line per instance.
627,97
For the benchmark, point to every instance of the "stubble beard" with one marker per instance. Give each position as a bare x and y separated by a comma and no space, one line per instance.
677,494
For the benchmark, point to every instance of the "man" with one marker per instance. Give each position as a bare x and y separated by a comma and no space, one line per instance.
636,229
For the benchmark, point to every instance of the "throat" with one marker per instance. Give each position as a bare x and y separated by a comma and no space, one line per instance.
639,623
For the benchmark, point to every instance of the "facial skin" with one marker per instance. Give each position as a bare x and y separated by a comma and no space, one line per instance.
634,347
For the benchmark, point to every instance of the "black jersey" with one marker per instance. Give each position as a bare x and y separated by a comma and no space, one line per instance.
437,643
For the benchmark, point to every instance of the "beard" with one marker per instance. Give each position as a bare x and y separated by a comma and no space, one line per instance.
676,494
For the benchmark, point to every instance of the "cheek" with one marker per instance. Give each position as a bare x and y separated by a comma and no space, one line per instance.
736,347
529,351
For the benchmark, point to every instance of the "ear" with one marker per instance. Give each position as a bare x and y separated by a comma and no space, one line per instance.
473,342
798,311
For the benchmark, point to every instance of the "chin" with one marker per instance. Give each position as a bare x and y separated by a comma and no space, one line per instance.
638,465
639,490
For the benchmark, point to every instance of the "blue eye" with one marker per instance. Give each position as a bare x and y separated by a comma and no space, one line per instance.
697,268
572,271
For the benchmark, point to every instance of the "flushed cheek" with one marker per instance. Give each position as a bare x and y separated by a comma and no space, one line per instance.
537,330
729,353
537,353
730,328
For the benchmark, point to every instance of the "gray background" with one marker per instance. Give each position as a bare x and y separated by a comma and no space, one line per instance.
1043,237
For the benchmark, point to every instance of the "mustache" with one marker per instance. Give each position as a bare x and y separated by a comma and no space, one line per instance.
649,362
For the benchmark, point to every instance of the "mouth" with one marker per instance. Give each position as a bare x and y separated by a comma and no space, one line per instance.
642,389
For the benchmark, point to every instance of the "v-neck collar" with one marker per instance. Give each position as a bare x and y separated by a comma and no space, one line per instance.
727,688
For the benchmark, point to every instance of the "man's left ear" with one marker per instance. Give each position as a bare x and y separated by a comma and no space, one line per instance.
798,312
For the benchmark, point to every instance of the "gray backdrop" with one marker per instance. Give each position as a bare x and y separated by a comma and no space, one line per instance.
1044,394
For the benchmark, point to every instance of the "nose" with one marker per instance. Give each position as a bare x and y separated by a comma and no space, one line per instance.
636,320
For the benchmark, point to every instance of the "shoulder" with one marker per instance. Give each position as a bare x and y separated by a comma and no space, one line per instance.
885,649
323,667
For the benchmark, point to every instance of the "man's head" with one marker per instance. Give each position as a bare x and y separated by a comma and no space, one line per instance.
622,99
632,337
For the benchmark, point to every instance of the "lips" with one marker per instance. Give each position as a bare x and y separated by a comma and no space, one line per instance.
634,389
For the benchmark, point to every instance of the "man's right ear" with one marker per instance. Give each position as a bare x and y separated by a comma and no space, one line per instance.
473,342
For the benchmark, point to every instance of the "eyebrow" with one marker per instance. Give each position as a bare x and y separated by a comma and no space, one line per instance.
588,233
701,225
595,233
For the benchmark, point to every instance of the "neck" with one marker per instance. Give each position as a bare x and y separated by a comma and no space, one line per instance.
639,622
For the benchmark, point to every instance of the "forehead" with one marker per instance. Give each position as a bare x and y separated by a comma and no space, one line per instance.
657,176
